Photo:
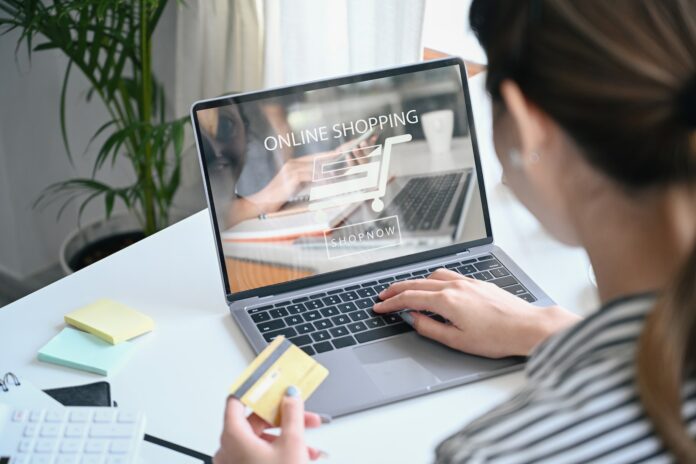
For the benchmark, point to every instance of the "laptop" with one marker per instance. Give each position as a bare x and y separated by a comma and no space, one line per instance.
318,289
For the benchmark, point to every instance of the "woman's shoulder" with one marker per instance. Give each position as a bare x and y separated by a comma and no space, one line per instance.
580,404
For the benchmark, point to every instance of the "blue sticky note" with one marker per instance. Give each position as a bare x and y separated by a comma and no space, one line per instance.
81,350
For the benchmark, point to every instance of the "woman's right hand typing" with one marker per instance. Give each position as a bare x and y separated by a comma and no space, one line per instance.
484,319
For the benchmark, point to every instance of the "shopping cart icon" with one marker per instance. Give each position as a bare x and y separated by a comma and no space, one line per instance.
344,178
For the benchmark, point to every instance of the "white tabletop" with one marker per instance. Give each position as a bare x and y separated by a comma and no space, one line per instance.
180,373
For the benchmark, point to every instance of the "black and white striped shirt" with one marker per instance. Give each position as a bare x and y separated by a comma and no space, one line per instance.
580,403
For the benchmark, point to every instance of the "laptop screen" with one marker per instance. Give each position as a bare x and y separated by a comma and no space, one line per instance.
319,178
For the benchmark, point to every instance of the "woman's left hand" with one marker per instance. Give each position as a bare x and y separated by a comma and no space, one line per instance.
245,439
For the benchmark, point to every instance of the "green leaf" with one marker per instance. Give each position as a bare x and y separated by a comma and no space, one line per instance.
109,203
63,118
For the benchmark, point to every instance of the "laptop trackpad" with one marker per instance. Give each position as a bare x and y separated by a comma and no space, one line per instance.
403,364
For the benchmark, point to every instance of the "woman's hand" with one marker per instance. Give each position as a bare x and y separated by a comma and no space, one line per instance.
245,439
485,320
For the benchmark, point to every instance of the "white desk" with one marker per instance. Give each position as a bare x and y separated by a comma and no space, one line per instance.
180,373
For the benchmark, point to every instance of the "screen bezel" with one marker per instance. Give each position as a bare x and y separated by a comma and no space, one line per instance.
328,277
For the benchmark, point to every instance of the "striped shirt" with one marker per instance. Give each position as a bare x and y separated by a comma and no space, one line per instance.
580,403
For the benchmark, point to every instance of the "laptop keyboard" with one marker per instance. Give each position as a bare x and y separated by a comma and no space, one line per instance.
423,201
343,317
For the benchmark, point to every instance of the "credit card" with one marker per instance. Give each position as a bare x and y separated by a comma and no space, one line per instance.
263,383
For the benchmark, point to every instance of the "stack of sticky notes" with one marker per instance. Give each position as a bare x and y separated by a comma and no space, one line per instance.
263,383
97,341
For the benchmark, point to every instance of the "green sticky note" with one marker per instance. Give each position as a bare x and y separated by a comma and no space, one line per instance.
81,350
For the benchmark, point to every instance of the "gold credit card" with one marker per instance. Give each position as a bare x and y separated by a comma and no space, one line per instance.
263,383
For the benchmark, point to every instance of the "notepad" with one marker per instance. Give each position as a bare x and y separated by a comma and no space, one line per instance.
81,350
263,383
110,321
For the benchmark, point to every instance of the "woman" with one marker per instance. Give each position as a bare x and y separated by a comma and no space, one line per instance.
595,126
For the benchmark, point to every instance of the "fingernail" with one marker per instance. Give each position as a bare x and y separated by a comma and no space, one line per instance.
325,418
292,391
407,317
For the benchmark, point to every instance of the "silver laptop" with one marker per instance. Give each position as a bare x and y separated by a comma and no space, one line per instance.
406,201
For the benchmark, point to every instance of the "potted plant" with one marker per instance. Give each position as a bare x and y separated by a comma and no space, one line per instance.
110,43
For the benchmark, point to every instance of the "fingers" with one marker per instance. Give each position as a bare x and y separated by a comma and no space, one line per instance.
417,284
314,453
409,299
292,415
445,274
446,334
311,421
235,416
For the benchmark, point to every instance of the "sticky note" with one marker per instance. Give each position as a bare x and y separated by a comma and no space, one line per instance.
110,321
263,383
81,350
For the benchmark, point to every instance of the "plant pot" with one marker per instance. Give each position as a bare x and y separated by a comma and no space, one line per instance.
99,239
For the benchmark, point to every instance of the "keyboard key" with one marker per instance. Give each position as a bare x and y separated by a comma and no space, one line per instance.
96,446
305,328
314,304
317,295
330,311
352,287
349,296
488,264
277,313
270,326
527,297
344,342
75,430
261,317
296,308
20,415
331,300
516,289
485,258
312,316
300,340
469,261
323,324
300,299
485,275
347,307
420,272
36,416
50,430
382,332
260,309
31,430
468,269
369,284
359,316
323,347
309,350
321,336
505,281
287,332
451,265
499,272
338,331
403,276
293,320
365,303
381,287
335,291
357,327
366,292
375,322
392,318
340,320
386,280
110,431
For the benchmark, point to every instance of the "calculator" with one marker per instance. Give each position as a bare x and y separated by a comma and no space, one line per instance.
70,435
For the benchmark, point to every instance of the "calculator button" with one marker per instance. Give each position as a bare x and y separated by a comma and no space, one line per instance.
79,416
45,446
127,417
20,415
35,416
24,446
74,430
119,446
41,460
66,459
31,430
107,415
70,446
95,446
117,460
92,460
110,431
20,459
50,430
55,416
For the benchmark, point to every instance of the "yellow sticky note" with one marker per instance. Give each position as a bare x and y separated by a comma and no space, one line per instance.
263,383
111,321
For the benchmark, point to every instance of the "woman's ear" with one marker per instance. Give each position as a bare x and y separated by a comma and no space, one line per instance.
526,118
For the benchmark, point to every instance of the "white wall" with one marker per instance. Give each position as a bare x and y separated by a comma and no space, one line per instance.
32,154
446,28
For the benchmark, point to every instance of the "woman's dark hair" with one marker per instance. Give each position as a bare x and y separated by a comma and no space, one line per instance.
620,78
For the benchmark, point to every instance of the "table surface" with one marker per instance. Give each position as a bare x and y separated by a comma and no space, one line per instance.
180,373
